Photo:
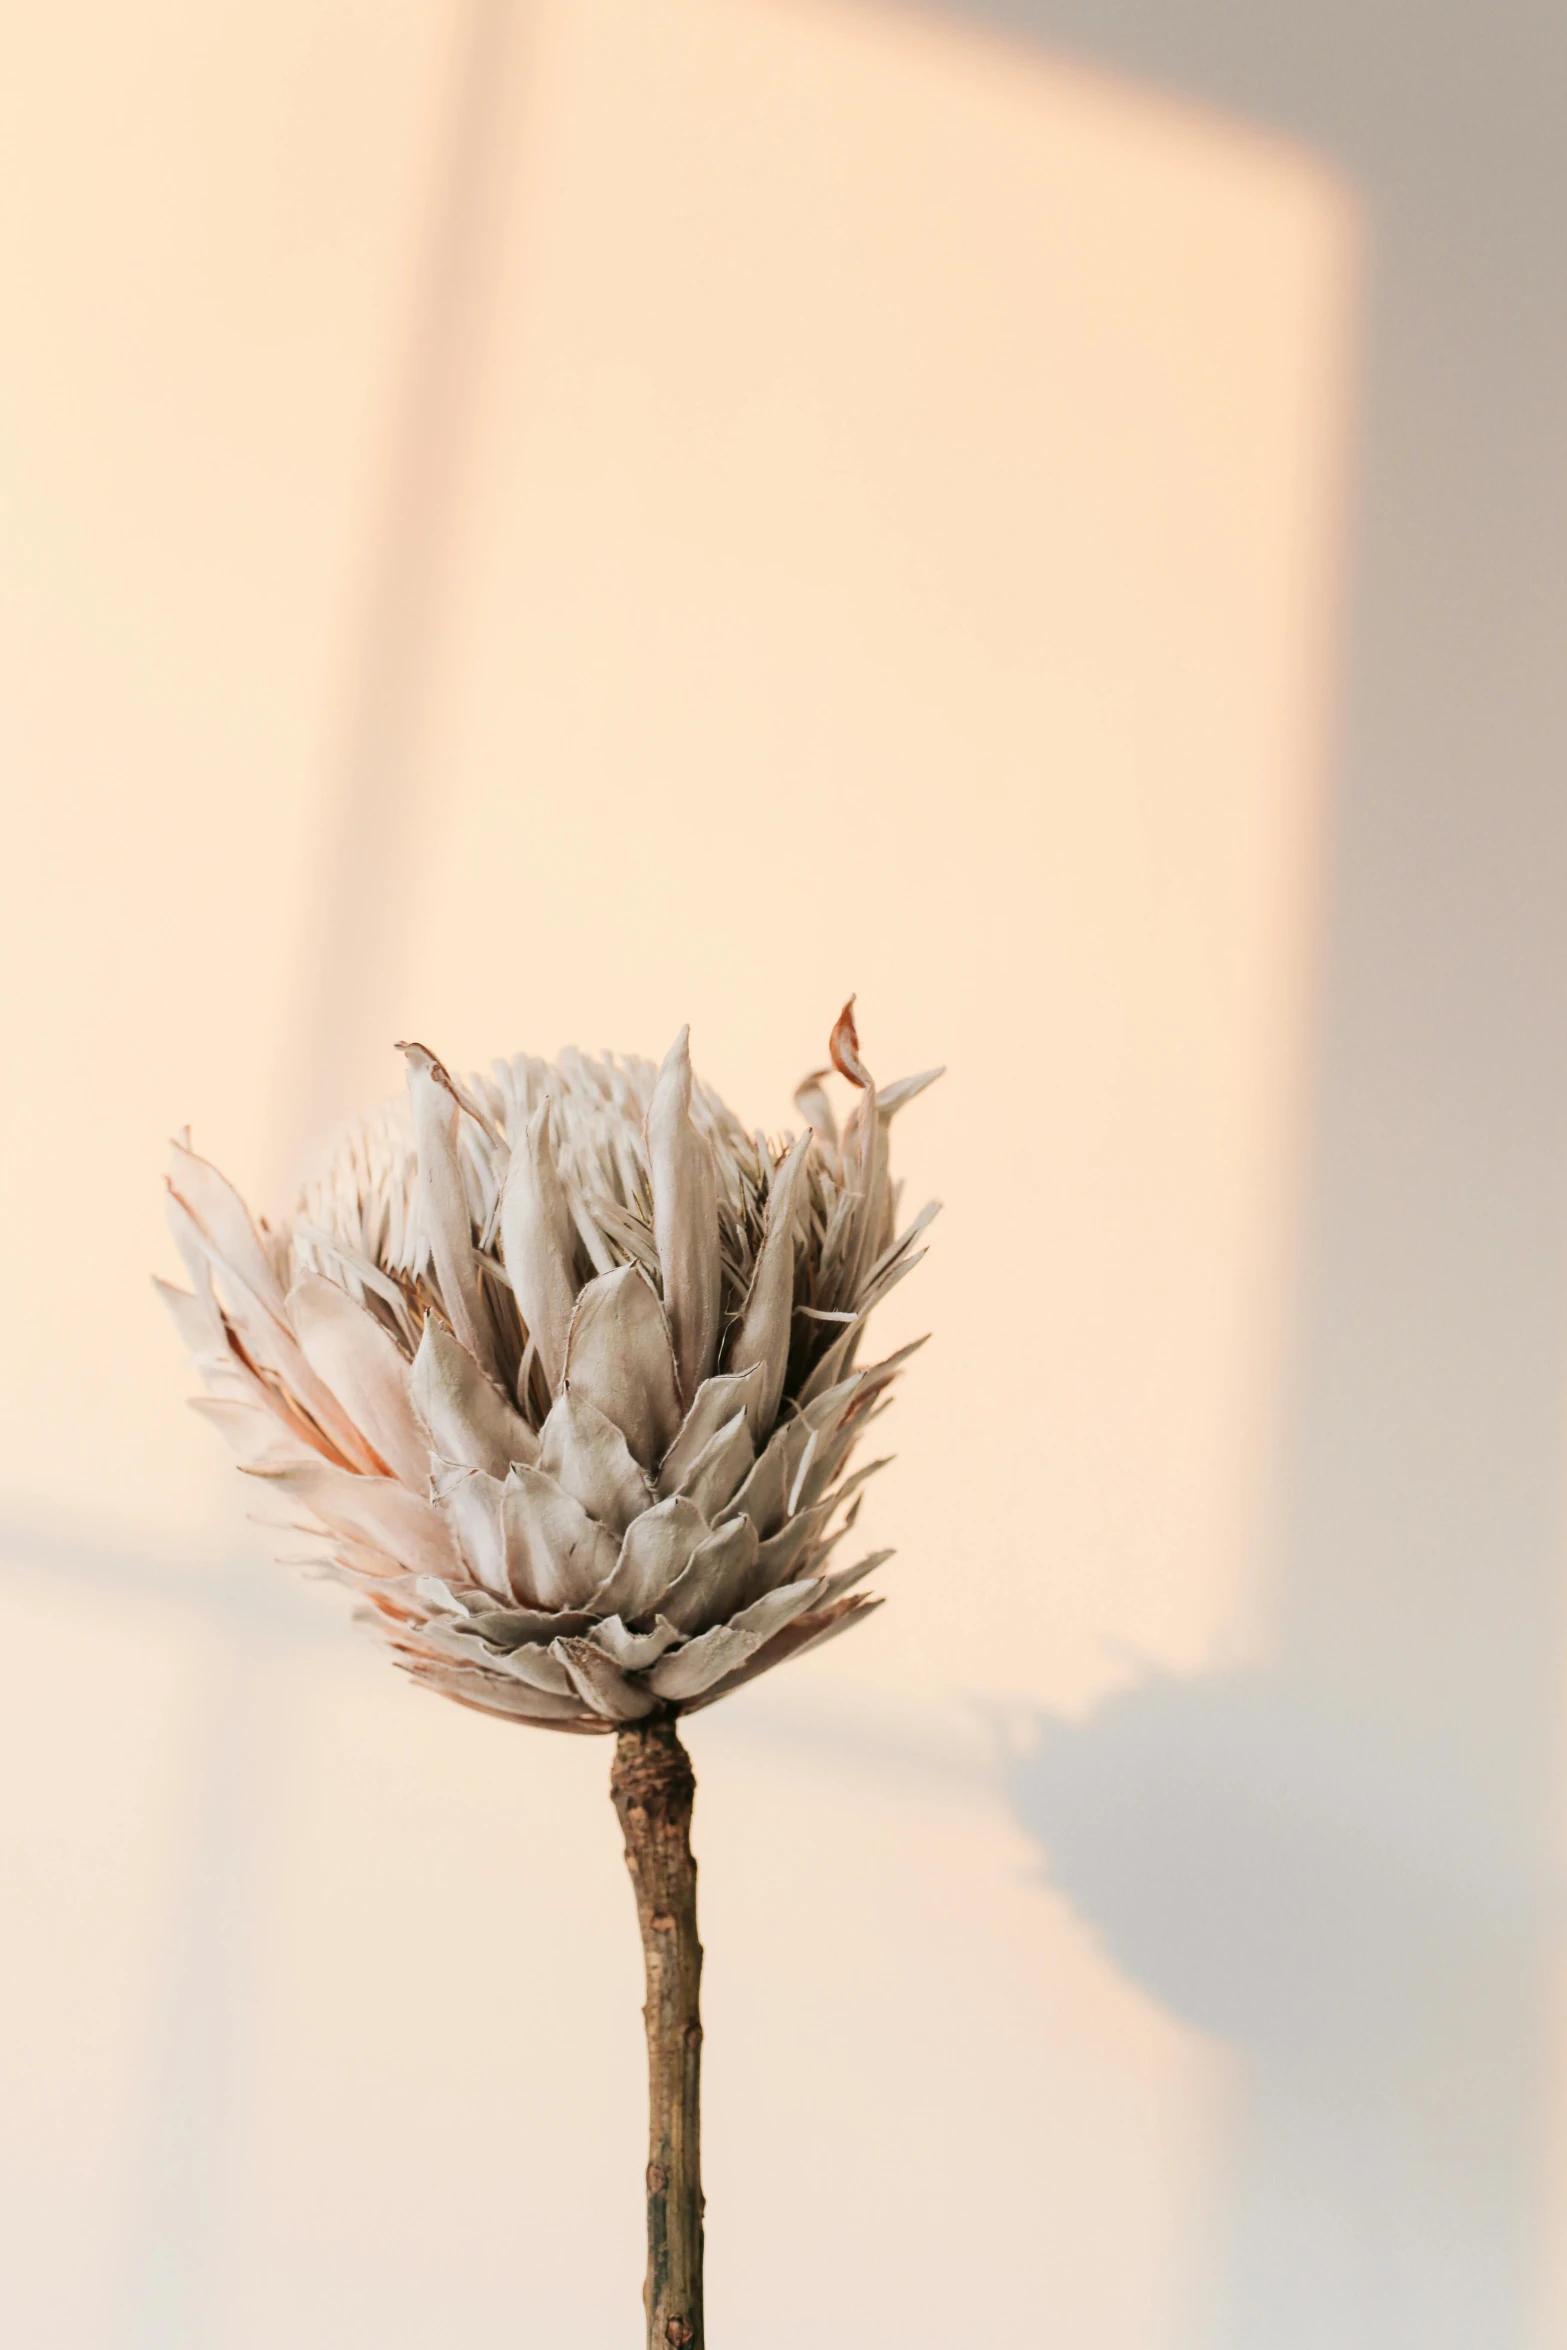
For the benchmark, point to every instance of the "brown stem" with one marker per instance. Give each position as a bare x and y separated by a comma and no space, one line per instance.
653,1785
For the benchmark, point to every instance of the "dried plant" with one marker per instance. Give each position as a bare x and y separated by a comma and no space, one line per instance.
557,1368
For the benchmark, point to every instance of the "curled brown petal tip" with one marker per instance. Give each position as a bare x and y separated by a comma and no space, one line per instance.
435,1067
844,1046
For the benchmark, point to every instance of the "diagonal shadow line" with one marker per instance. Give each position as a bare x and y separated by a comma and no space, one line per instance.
179,2187
227,1588
364,889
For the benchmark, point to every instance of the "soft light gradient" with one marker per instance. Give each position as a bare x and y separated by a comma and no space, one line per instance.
530,527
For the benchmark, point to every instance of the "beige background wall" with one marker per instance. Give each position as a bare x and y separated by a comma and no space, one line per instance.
528,527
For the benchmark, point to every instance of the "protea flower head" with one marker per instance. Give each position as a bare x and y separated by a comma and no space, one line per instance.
559,1369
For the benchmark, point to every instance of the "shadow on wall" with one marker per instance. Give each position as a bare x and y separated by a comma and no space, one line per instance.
1354,1912
1271,1869
1338,1863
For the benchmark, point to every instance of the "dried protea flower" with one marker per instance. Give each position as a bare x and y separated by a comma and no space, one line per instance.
559,1369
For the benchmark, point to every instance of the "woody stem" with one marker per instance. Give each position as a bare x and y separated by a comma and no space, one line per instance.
652,1785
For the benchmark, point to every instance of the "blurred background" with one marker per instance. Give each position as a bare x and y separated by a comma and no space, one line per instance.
530,521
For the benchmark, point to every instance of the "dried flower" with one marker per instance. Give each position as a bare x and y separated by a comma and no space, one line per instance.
558,1369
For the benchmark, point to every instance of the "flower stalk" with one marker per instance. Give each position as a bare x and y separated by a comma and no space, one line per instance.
558,1370
653,1786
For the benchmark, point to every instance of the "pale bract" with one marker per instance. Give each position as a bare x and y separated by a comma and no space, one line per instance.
560,1369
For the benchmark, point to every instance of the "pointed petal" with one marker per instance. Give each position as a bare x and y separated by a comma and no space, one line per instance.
903,1089
443,1203
381,1509
806,1632
763,1333
619,1356
473,1507
494,1693
468,1418
587,1454
258,1437
225,1224
436,1593
782,1552
811,1101
725,1460
366,1370
518,1627
716,1581
715,1405
823,1458
633,1651
690,1670
539,1243
832,1365
764,1497
834,1586
198,1322
569,1555
656,1551
685,1218
255,1325
601,1683
844,1046
540,1668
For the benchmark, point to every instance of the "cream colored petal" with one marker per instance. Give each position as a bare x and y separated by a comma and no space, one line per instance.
619,1357
903,1089
601,1683
586,1453
834,1586
865,1158
657,1549
351,1561
715,1404
538,1243
685,1218
904,1243
366,1370
226,1224
438,1595
824,1457
763,1333
468,1418
716,1582
832,1365
518,1627
774,1609
851,1485
443,1203
474,1506
258,1437
690,1670
782,1552
811,1101
199,1324
874,1291
633,1651
569,1555
271,1345
381,1509
764,1496
806,1632
725,1461
540,1668
494,1693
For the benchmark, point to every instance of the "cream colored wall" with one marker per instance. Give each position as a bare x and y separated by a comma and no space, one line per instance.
862,515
